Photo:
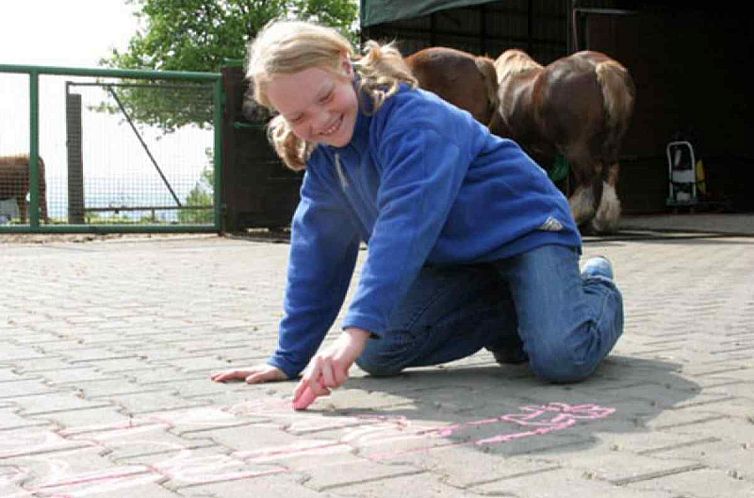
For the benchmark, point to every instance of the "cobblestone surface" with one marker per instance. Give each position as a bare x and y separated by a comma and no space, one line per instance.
107,344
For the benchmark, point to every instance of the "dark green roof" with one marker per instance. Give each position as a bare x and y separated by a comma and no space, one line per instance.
382,11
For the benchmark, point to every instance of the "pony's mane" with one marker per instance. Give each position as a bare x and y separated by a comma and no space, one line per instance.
514,61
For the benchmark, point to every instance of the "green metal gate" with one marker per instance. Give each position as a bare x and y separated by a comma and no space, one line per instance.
143,150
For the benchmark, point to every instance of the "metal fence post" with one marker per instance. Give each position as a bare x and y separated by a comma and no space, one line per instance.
33,149
219,103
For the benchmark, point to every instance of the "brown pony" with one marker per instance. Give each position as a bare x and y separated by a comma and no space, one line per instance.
580,107
465,80
14,183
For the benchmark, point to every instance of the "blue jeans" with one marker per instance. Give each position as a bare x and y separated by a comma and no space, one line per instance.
536,304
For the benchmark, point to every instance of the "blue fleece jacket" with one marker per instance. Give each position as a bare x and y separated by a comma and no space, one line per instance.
421,182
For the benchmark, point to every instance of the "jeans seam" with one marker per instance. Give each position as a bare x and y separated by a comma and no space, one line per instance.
612,291
428,304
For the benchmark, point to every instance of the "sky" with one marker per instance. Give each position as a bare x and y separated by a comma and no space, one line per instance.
78,33
73,33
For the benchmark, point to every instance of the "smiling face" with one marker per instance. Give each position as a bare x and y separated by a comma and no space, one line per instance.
319,105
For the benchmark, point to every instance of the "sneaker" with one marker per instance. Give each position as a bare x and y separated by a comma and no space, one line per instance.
510,357
598,266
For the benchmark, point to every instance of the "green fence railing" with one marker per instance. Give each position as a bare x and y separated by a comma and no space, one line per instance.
213,81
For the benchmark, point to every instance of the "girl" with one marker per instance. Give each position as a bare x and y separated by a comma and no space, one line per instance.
470,245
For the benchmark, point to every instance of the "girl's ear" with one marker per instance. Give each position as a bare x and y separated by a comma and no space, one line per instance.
346,65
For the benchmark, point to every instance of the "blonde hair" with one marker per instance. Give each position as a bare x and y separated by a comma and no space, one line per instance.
286,47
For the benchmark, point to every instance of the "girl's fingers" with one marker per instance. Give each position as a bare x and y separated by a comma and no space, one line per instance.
328,377
230,375
341,376
313,378
303,384
252,375
256,378
300,388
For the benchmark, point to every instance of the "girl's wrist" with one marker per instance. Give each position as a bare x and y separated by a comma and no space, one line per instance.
356,341
358,334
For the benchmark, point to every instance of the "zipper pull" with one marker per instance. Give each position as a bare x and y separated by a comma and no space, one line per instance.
341,175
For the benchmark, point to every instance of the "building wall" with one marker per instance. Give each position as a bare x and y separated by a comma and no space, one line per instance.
687,60
486,29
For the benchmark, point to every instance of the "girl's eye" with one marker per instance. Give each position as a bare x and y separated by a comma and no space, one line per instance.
297,119
327,98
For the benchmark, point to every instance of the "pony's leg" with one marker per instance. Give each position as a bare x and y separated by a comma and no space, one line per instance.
21,201
585,197
43,199
608,213
582,204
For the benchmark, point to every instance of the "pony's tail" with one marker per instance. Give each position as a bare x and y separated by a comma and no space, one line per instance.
486,66
618,93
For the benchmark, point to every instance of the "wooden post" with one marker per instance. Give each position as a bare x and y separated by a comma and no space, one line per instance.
75,159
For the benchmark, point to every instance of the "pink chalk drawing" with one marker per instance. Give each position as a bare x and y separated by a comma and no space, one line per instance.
540,419
372,437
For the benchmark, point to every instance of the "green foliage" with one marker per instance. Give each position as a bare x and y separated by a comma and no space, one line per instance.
167,105
203,35
94,218
201,195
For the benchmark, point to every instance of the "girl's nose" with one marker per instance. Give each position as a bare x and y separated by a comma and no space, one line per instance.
319,122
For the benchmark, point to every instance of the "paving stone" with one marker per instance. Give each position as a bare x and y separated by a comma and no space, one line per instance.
418,483
11,479
118,364
9,419
55,402
199,422
111,385
153,374
620,468
40,338
195,467
553,483
204,364
76,472
250,437
733,429
72,376
275,483
141,402
33,441
702,483
11,353
126,441
8,374
187,386
732,458
341,471
15,390
81,417
29,367
108,353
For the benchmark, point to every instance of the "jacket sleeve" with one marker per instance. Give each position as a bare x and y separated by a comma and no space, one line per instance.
324,247
423,168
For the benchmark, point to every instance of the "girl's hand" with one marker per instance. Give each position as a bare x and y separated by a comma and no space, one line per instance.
329,369
252,375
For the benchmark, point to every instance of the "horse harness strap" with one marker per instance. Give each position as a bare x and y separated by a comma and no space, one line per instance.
559,169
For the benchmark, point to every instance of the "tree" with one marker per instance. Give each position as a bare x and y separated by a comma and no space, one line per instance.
203,35
200,196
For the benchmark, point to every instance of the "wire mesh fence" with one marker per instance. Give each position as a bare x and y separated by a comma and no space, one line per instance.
115,149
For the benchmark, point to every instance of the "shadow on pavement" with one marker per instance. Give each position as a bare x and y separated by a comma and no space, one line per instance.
506,410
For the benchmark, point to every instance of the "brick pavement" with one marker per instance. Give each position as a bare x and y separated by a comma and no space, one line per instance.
106,347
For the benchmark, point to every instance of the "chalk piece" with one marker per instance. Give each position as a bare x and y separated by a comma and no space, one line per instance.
305,399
